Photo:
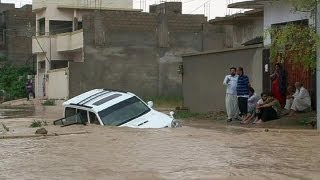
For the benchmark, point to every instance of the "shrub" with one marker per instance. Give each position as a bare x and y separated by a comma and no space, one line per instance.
36,124
13,81
49,102
185,114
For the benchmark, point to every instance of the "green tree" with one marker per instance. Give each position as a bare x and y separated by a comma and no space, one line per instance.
13,81
297,41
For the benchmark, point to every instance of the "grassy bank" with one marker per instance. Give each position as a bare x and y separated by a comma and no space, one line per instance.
165,102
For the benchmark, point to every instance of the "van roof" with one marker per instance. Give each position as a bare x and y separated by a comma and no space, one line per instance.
98,99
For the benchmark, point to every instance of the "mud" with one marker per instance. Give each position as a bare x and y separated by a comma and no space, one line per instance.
190,152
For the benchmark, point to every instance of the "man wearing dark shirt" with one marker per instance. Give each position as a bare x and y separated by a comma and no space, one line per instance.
243,91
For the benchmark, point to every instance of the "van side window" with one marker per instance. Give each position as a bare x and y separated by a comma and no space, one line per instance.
70,112
83,115
93,118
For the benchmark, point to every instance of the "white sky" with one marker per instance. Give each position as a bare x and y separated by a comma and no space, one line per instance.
217,7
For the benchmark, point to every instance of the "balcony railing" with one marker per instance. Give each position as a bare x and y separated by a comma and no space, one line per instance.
70,41
58,43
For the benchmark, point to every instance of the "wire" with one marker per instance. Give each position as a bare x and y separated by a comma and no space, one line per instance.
198,7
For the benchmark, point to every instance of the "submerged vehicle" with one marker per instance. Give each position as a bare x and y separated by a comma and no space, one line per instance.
114,108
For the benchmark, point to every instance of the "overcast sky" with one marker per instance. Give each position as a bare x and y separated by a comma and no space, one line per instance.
215,7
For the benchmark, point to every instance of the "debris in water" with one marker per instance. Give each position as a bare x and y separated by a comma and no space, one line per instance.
41,131
266,130
5,127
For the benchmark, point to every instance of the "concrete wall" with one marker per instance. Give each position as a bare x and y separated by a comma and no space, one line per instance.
133,51
204,73
37,4
58,84
247,30
281,12
21,26
70,41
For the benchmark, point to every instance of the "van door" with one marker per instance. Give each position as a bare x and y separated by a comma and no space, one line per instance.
83,115
93,118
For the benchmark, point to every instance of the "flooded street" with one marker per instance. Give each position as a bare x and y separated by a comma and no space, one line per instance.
189,152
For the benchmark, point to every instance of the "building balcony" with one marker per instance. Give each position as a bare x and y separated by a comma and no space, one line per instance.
65,46
70,41
41,44
58,43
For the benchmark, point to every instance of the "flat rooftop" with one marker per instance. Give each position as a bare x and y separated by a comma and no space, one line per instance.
253,4
96,8
248,15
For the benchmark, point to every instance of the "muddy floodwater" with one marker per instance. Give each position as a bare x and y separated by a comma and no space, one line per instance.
189,152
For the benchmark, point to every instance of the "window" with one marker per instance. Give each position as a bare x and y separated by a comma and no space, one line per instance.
58,64
123,112
70,112
57,27
93,118
83,115
42,27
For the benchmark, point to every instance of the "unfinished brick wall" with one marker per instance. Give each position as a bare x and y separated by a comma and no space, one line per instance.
3,7
135,51
21,26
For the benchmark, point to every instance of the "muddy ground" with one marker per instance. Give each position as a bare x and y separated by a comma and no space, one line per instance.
206,148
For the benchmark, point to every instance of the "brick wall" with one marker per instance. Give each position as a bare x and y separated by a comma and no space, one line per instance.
21,26
135,51
3,7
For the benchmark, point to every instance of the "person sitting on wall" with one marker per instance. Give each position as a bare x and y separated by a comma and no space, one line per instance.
269,110
300,101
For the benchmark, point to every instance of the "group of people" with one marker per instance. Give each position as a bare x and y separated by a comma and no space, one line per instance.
243,104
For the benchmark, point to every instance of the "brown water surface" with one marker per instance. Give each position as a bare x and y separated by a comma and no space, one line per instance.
190,152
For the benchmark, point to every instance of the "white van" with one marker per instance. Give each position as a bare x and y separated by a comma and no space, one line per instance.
113,108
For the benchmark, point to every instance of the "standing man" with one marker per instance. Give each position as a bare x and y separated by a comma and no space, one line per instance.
243,91
231,95
30,88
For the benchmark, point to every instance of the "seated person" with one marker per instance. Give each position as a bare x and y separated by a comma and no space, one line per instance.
252,114
252,101
299,101
290,93
269,110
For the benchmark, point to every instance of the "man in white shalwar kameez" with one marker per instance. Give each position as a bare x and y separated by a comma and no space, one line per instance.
231,81
300,100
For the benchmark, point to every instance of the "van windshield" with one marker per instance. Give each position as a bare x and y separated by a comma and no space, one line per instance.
123,112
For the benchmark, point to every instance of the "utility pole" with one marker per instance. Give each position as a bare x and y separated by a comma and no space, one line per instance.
317,17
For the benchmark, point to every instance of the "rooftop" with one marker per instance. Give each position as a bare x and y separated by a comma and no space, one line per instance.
253,4
248,15
224,50
96,8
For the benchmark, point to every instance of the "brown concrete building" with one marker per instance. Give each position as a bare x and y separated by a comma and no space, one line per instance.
17,25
